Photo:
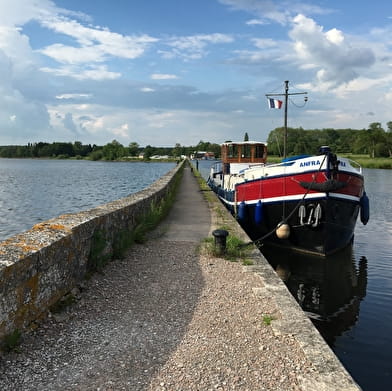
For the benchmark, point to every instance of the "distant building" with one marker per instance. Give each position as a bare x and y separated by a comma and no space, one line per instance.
203,155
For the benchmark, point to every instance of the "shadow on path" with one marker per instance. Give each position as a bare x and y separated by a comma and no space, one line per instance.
129,319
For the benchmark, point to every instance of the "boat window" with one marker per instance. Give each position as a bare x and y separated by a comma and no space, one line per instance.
233,150
259,151
246,151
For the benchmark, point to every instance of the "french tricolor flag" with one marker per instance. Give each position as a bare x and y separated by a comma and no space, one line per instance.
275,103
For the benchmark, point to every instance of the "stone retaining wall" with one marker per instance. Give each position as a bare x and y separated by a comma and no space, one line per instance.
40,266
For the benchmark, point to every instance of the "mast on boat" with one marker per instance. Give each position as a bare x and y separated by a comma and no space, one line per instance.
286,97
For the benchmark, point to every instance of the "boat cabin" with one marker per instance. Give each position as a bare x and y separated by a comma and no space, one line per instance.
244,152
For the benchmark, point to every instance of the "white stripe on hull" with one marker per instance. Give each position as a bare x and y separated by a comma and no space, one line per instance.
296,197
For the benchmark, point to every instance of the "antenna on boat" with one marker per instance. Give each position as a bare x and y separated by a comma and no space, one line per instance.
286,98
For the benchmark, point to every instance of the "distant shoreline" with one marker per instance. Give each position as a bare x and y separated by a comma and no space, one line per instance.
122,160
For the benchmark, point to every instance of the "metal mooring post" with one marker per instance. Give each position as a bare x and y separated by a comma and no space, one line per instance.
220,236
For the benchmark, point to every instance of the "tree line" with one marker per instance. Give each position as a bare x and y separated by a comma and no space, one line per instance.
111,151
373,141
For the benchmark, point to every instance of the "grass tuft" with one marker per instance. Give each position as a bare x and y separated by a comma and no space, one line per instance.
267,319
236,249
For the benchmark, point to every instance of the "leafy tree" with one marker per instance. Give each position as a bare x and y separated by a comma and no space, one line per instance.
208,147
375,135
177,150
113,151
96,154
388,138
81,150
246,137
148,152
133,148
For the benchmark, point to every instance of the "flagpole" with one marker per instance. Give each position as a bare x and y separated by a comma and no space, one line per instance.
286,98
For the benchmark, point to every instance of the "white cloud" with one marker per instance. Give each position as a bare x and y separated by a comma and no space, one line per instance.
195,46
276,11
122,131
19,12
93,81
147,89
89,73
20,116
335,36
262,43
94,43
336,60
161,120
69,123
251,57
256,22
73,96
163,76
16,47
74,55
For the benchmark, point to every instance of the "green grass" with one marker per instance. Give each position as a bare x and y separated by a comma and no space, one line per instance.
267,319
157,212
98,257
367,162
274,159
236,249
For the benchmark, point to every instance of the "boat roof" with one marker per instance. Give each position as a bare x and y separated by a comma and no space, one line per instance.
244,142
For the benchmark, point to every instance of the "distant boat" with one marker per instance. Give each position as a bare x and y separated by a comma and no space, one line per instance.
307,203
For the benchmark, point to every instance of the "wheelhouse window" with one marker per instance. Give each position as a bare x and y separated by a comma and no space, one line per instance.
259,151
246,151
233,151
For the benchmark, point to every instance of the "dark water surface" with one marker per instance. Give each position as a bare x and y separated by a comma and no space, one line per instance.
349,295
34,190
366,347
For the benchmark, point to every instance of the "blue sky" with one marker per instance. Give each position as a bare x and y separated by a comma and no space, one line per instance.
180,71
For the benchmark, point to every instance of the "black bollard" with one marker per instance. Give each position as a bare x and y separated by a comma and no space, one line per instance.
220,236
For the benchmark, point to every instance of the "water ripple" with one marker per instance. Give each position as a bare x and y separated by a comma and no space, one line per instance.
37,190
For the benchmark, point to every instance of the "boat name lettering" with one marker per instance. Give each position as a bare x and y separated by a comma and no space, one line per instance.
310,163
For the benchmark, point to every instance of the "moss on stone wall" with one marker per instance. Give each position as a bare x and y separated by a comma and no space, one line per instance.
40,266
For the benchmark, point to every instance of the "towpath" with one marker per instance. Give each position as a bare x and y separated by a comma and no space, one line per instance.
166,317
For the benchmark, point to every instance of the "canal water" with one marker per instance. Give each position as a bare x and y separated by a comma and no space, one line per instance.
34,190
349,295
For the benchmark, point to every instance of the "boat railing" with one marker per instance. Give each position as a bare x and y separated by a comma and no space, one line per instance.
216,168
355,165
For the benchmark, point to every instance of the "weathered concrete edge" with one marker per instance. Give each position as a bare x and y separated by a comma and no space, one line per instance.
39,266
329,373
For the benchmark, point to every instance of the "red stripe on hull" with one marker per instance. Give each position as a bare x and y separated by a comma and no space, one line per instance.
260,189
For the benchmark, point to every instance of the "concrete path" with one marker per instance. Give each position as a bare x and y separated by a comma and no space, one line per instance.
190,218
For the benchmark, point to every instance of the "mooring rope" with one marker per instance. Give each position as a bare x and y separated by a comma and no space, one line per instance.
258,242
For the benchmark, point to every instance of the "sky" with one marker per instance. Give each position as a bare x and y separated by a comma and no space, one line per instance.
160,72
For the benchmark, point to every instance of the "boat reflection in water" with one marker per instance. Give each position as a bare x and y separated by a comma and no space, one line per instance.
329,289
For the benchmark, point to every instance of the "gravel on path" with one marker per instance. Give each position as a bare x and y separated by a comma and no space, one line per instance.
163,318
